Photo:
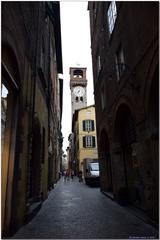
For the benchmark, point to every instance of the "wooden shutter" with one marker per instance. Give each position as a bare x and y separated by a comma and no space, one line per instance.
92,125
94,141
84,142
84,128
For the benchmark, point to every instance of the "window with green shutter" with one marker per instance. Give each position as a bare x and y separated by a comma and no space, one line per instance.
88,125
89,142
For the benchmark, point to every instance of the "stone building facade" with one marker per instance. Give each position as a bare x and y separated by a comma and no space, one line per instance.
32,108
124,42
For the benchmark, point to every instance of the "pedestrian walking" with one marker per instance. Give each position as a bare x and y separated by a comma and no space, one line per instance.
72,174
80,176
67,174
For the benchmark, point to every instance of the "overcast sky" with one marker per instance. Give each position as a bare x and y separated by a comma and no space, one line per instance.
76,49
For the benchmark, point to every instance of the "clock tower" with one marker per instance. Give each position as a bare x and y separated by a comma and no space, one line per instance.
78,84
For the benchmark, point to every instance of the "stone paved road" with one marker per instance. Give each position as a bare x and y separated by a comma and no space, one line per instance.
74,210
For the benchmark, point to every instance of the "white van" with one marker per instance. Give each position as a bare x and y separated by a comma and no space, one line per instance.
91,170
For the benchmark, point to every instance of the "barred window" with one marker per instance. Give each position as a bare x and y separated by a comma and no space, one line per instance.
112,15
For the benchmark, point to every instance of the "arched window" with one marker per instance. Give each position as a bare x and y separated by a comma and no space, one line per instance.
78,73
112,15
81,99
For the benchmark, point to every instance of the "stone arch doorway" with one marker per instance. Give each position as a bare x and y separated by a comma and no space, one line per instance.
126,163
153,150
35,163
105,163
9,120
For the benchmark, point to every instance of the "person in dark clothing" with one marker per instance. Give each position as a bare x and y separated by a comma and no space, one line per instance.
80,176
72,174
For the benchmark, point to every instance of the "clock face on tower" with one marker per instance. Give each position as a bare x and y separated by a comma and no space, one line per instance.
79,91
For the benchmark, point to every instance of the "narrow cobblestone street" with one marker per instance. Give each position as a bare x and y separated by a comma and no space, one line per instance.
74,210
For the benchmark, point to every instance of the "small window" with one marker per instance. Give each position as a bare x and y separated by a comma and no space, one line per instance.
89,142
76,99
81,99
88,125
120,63
112,15
78,73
